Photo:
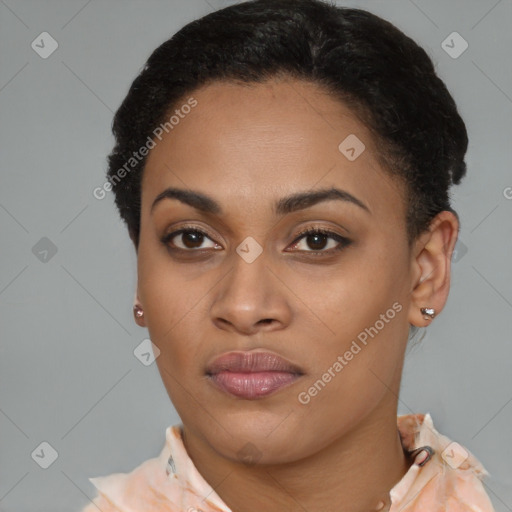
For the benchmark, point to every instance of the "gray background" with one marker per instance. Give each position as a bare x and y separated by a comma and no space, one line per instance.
68,374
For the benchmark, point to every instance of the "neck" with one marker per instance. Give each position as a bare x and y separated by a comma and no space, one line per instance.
354,473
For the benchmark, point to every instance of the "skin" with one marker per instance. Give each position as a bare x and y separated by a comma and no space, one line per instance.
246,147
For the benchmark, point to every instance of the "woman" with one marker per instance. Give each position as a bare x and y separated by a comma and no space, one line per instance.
283,168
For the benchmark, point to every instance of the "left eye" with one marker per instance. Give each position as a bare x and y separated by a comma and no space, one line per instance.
318,241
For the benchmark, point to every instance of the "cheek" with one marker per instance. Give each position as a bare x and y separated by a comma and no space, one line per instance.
351,378
363,321
344,299
173,309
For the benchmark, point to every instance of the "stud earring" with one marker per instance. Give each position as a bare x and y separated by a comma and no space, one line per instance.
137,311
428,313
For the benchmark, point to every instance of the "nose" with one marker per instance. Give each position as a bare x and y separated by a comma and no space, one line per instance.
250,298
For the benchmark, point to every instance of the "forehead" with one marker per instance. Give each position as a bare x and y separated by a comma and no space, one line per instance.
263,141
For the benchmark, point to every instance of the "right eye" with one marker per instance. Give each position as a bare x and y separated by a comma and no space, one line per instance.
188,239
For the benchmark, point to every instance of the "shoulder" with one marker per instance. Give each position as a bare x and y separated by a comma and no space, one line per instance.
169,482
450,481
147,484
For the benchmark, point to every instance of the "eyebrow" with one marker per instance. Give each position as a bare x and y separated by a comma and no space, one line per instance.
289,204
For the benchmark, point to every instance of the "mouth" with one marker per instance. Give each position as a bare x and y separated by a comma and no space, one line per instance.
252,375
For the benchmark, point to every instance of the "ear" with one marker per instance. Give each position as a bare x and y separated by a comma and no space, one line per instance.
431,266
140,321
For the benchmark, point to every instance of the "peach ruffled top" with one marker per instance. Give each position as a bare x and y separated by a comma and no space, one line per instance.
444,477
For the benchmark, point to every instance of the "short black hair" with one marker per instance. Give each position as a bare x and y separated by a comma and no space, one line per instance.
363,60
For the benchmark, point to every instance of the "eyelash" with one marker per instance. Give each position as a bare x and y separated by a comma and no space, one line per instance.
343,241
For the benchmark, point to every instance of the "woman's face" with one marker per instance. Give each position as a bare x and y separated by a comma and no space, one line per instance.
334,306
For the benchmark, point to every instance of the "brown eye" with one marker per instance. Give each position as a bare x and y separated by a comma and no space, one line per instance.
320,241
188,239
192,239
316,241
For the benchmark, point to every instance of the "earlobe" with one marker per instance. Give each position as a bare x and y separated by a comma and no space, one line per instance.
432,266
428,313
138,311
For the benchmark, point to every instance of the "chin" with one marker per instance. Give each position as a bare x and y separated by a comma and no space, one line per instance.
259,439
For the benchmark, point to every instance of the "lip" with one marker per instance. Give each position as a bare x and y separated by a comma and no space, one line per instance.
252,375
